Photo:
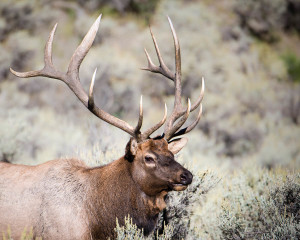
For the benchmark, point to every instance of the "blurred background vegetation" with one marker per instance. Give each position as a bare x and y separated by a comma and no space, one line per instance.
248,138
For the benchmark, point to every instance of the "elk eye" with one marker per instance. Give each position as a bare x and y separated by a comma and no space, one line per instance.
149,159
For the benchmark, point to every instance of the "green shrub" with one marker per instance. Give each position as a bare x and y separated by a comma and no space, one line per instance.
292,63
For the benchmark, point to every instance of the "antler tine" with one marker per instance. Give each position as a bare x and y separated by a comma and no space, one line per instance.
151,130
199,100
48,69
48,48
151,66
140,121
91,91
83,49
162,68
191,127
177,67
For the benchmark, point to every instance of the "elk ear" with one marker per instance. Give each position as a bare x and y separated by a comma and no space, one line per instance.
131,149
177,144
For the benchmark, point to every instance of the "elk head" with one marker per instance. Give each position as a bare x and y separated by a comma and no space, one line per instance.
154,167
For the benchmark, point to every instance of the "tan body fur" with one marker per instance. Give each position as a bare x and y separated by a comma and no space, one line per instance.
64,199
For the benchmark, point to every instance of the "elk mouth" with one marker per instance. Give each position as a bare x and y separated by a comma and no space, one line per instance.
179,186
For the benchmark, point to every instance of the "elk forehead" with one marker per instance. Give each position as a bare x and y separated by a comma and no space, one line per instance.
159,146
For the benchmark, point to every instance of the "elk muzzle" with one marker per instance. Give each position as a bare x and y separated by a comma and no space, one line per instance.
185,178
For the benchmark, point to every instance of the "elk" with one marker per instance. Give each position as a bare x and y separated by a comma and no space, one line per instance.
66,199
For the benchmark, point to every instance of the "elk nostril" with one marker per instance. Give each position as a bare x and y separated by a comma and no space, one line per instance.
183,178
186,178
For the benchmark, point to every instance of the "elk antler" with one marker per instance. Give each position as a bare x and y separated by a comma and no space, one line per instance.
179,111
71,78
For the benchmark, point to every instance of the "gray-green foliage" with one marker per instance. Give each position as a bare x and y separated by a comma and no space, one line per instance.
13,135
128,231
257,205
260,211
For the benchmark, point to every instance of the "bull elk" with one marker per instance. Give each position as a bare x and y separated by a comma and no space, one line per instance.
65,199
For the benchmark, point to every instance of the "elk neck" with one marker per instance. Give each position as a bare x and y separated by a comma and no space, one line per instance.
114,184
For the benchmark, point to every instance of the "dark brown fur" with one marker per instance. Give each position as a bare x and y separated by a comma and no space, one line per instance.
65,199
